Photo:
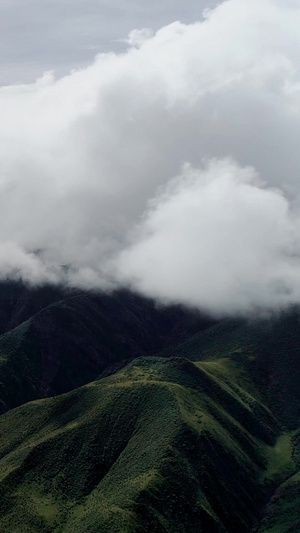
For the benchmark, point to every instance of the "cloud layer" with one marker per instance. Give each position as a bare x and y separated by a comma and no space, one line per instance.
173,167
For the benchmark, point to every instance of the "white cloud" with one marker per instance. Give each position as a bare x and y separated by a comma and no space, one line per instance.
82,156
138,37
217,239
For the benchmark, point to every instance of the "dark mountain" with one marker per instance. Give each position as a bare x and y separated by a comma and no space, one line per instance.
268,349
203,437
77,336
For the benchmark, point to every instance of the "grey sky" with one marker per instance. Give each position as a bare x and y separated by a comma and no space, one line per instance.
62,34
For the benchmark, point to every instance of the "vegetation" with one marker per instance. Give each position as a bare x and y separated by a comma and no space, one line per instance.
148,448
203,437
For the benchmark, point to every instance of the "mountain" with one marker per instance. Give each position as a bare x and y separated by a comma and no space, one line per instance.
182,424
269,350
77,336
152,447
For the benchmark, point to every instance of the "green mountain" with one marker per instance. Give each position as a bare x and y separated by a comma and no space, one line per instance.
202,437
153,447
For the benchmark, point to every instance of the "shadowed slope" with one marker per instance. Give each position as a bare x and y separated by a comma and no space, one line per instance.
73,340
269,350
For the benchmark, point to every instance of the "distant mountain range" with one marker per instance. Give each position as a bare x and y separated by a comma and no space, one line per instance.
121,415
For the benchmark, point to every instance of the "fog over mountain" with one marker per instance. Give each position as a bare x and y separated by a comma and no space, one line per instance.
172,167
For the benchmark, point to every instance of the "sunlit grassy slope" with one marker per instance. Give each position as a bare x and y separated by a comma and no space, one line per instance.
163,445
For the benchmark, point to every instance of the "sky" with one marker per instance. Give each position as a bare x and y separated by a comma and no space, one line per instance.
155,148
61,35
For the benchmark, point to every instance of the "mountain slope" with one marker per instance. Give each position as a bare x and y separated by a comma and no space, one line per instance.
151,448
268,349
73,340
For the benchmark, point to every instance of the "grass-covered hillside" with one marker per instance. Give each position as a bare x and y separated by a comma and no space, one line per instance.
163,445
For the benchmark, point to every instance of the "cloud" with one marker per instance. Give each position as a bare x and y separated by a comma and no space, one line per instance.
216,238
88,164
137,37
